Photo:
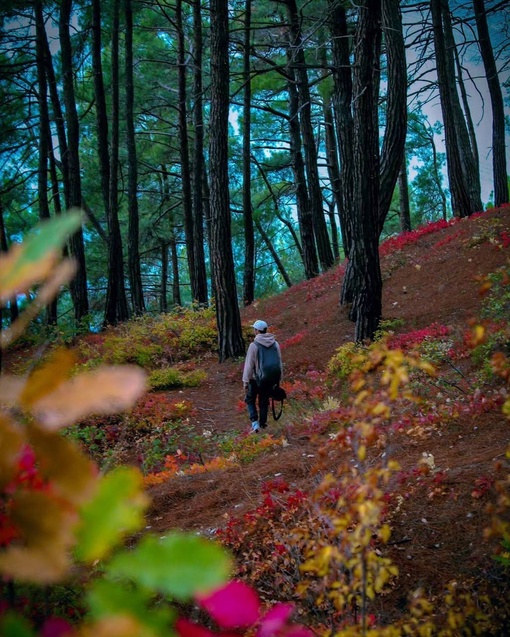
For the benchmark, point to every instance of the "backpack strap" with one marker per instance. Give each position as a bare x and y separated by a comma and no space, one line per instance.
276,417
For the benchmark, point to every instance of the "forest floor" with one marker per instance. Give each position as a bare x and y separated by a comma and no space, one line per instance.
439,536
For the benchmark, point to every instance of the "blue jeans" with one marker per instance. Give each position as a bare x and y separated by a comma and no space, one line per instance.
250,399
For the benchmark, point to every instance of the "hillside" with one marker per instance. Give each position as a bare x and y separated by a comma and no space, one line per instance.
349,475
439,535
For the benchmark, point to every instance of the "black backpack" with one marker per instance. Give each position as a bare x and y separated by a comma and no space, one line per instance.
269,368
269,373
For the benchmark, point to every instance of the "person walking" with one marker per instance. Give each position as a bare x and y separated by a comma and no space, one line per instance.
262,370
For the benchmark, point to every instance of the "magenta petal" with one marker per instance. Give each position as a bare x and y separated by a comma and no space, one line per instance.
275,620
185,628
235,605
56,627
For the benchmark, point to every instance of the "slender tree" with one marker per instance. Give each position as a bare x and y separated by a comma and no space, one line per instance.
184,151
116,307
135,276
365,273
298,61
199,175
403,190
342,102
230,339
304,212
464,181
498,111
249,235
44,137
78,285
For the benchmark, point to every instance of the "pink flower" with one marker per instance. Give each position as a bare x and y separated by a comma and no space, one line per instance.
237,606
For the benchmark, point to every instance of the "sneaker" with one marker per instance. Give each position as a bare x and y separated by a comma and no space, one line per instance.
255,427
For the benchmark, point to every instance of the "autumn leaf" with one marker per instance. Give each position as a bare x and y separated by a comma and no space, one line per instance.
62,462
32,261
107,390
115,510
48,377
47,532
11,443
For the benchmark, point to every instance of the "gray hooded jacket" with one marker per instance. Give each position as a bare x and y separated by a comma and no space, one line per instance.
251,363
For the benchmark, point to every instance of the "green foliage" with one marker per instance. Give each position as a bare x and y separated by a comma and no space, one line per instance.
123,349
496,305
344,362
55,506
193,559
388,326
154,341
173,378
116,508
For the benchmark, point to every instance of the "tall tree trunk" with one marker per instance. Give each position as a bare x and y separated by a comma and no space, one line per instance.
498,111
392,152
116,307
78,285
366,306
334,174
249,235
304,213
198,158
230,338
58,118
135,275
172,243
473,145
404,209
334,230
297,60
163,300
187,211
342,100
274,254
461,171
176,286
44,129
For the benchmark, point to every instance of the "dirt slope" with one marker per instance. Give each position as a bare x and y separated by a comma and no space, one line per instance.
432,280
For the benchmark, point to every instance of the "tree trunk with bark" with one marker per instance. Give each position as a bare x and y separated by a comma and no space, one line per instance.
78,285
304,213
187,210
198,158
163,300
249,234
364,263
135,275
116,307
404,208
44,134
498,110
392,152
230,338
342,103
462,175
297,60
